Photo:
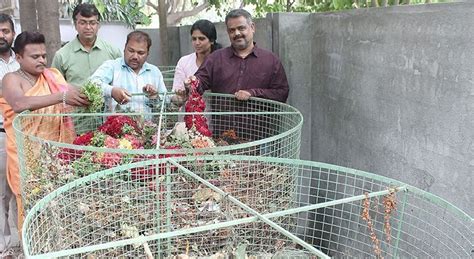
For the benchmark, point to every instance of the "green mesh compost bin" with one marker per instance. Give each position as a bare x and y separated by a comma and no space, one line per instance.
168,75
238,206
99,141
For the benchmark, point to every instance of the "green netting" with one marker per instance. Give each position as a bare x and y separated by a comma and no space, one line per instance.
168,75
260,127
213,206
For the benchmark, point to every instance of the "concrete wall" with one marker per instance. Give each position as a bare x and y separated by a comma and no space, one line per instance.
155,52
387,90
293,44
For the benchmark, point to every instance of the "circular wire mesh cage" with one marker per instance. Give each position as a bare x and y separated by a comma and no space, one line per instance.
244,207
87,143
168,75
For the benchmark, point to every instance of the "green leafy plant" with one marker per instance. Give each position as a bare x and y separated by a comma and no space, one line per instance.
83,166
128,11
98,139
94,94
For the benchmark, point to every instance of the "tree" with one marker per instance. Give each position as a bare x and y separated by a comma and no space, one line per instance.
48,24
171,12
28,18
164,39
45,18
176,10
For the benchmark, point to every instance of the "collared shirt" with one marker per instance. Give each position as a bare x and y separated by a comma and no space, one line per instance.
260,73
7,66
185,68
77,64
118,73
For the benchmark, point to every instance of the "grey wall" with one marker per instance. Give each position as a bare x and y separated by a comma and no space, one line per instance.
387,90
155,53
293,44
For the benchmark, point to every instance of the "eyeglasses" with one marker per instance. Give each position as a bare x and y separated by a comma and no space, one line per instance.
85,23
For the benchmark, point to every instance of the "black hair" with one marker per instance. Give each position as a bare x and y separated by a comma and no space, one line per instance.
207,28
86,10
139,36
236,13
7,18
25,38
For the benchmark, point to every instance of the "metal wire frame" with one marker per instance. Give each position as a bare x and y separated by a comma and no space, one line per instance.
271,129
168,75
307,209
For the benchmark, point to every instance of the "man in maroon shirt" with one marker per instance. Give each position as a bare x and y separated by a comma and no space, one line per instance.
243,69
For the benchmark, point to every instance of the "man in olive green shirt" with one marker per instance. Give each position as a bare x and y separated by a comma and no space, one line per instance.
79,58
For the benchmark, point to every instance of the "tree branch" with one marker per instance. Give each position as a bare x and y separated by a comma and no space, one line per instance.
174,18
173,6
152,5
289,3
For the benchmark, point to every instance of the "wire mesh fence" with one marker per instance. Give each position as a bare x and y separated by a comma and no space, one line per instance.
99,141
224,206
168,75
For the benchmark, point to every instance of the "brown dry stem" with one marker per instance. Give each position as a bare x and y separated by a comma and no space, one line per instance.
370,226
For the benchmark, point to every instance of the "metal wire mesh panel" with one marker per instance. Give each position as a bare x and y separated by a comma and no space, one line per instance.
100,141
168,75
215,206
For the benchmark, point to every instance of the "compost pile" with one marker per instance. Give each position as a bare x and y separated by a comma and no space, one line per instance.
116,208
53,167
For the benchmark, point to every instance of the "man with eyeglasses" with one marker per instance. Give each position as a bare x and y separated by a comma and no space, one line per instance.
80,58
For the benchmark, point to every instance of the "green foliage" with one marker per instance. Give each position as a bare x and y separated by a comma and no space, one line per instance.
94,94
216,3
99,139
83,166
149,133
341,4
127,129
262,7
127,11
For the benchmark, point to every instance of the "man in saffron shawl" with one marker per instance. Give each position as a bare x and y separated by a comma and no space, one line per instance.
36,88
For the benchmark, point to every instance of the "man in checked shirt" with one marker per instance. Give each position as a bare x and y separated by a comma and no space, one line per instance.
8,64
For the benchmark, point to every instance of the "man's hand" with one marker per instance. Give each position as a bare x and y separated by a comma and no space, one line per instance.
150,91
75,98
120,95
242,95
182,95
